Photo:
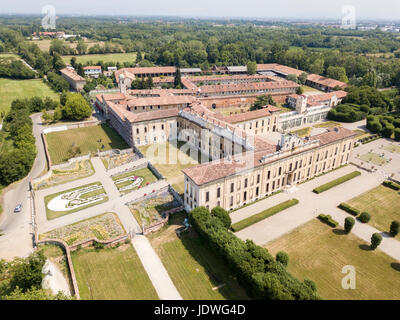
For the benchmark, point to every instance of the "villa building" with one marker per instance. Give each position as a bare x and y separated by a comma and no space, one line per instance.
75,80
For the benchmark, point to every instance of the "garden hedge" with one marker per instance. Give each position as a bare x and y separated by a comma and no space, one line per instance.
328,220
263,215
391,185
336,182
364,217
253,266
353,211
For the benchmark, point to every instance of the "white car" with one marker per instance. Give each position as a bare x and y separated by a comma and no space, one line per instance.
18,208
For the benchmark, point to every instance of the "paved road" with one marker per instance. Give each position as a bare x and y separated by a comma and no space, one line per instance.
311,205
16,227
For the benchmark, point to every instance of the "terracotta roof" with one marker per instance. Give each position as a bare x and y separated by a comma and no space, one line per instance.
237,77
333,134
159,101
92,68
72,74
246,116
279,69
248,86
132,72
330,83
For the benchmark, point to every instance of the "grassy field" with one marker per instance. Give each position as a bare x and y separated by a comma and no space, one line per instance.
56,214
227,111
307,89
87,139
106,58
373,158
393,148
145,173
160,155
199,275
319,253
112,274
328,124
20,89
382,203
303,132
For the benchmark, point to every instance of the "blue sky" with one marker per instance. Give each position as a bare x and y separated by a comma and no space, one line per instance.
382,9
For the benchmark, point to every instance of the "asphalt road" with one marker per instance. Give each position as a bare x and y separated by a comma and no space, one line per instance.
16,228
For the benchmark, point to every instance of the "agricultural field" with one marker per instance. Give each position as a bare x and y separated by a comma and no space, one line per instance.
73,200
318,252
102,227
133,180
112,274
162,157
382,203
64,145
106,58
150,211
77,170
20,89
200,274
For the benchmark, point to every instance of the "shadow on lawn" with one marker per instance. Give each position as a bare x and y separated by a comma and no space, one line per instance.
395,266
365,247
339,232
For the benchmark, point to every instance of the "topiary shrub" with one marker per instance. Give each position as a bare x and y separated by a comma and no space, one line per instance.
395,228
310,284
349,224
283,258
391,185
222,215
376,240
364,217
349,209
328,220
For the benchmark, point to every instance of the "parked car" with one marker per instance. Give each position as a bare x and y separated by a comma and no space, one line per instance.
18,208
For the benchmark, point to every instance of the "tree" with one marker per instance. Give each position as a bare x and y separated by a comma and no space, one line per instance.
303,78
57,114
397,134
300,90
364,217
349,224
76,107
149,83
81,47
222,215
376,240
262,101
251,67
388,130
292,77
45,115
395,228
178,79
338,73
283,258
35,294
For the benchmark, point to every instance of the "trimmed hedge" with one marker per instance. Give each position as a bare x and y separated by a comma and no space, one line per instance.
253,266
364,217
336,182
328,220
353,211
391,185
263,215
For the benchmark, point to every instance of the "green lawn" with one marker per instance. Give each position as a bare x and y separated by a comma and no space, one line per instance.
327,124
106,58
319,253
382,203
197,273
56,214
145,173
392,148
302,132
163,155
87,139
309,89
20,89
373,158
112,274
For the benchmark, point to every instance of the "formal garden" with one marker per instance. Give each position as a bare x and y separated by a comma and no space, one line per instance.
115,160
373,158
318,252
102,227
134,179
152,209
74,171
75,199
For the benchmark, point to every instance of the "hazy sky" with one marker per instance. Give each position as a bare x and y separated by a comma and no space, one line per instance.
378,9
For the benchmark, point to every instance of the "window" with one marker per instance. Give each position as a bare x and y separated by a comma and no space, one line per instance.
245,183
137,130
231,202
280,170
162,127
267,189
344,148
245,196
154,128
207,196
232,187
218,192
145,129
257,191
269,174
258,178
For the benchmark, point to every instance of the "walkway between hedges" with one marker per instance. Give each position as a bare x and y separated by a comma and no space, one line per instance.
311,205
